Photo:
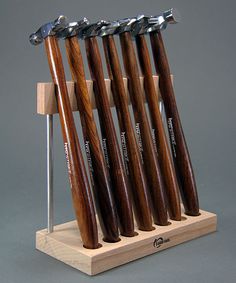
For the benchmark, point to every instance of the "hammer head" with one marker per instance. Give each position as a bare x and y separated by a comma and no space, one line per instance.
93,29
125,25
109,28
172,16
73,29
49,29
140,25
160,22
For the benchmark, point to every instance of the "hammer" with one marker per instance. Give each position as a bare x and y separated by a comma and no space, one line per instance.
80,189
105,205
163,151
113,157
131,154
151,165
178,144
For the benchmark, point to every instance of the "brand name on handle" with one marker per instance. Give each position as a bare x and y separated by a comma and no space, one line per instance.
88,153
138,134
90,164
67,157
172,135
154,139
125,152
104,145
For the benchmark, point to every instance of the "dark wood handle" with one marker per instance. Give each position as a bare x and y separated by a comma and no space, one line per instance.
99,175
164,155
132,158
178,144
119,180
80,189
151,165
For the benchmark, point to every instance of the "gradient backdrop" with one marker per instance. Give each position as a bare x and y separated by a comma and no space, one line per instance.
201,51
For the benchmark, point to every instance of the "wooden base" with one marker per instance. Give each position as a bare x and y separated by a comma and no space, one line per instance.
65,244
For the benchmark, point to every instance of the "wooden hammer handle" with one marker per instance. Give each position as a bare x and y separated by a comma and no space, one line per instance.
132,158
80,189
119,180
151,165
100,179
164,155
178,144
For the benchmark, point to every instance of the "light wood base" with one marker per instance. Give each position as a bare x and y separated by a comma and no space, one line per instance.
65,244
46,99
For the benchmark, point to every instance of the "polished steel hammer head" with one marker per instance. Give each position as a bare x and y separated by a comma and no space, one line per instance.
172,16
125,25
93,29
140,25
73,29
48,29
109,28
160,22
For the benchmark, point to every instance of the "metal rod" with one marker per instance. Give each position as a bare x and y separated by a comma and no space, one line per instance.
50,173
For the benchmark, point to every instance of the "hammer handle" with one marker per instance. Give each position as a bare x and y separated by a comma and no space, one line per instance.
178,144
164,155
98,171
152,170
80,189
132,158
119,180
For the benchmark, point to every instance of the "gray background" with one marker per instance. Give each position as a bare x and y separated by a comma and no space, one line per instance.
201,51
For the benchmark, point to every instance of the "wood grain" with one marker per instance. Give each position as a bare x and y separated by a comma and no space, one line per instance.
131,154
178,144
105,205
63,243
80,189
161,143
151,165
47,104
113,158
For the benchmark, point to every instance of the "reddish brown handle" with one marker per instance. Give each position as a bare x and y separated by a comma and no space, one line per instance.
99,175
132,158
178,144
120,184
151,165
164,155
81,194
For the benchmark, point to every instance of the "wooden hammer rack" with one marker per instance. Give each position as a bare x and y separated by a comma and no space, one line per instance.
63,241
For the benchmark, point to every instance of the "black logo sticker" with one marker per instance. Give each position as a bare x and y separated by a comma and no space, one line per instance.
159,241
